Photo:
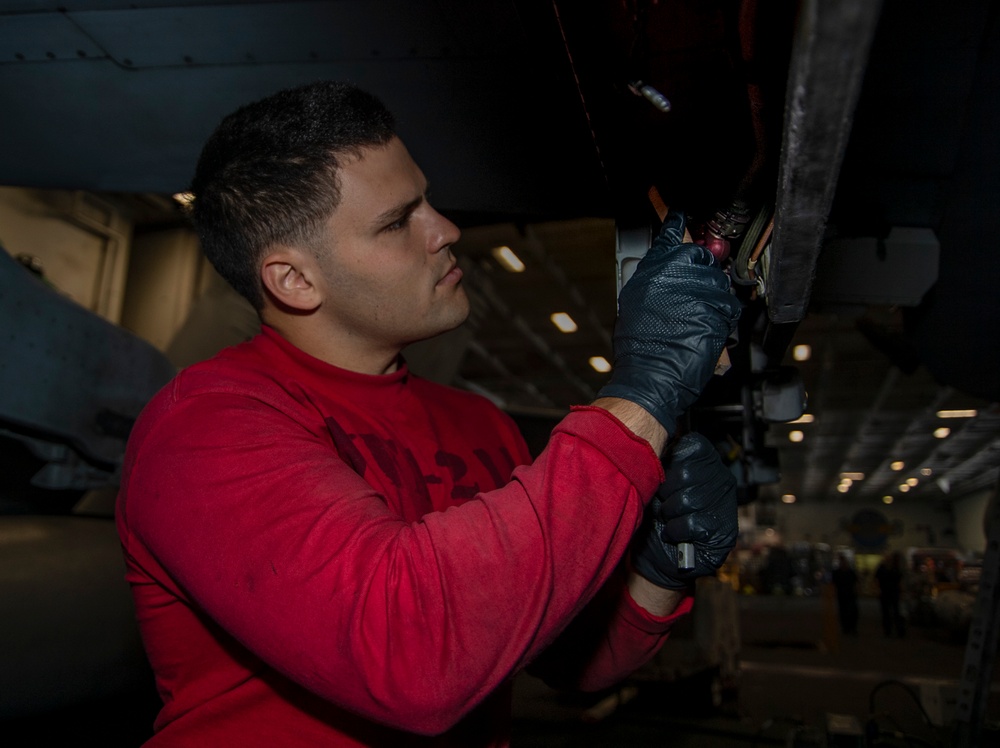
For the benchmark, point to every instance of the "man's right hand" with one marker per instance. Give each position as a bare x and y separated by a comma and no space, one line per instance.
674,316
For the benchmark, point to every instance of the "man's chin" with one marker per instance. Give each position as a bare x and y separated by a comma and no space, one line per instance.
459,313
449,325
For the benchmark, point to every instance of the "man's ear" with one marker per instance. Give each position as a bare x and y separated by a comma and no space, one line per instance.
289,276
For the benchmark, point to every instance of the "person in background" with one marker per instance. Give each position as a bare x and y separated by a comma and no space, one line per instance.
889,576
325,549
845,582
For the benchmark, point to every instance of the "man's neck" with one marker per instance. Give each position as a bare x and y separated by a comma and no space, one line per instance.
341,350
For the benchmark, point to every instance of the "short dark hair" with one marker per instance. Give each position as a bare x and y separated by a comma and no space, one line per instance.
268,174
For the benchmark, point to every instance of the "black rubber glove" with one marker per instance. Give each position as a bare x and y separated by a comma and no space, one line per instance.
696,504
674,316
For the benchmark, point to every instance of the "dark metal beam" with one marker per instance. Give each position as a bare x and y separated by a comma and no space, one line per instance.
829,56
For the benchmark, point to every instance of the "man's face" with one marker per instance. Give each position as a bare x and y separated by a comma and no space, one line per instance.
385,254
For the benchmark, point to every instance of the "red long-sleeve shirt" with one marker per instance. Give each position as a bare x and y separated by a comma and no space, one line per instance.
320,557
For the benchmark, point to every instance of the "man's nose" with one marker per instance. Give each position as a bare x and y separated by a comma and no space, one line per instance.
445,232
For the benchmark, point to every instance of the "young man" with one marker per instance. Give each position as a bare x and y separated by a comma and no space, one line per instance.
327,550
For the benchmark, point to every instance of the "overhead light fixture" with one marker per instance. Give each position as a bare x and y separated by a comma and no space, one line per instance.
897,465
846,482
886,499
796,436
926,472
802,352
957,413
805,418
564,322
942,432
507,259
853,476
844,487
904,487
911,482
788,498
599,363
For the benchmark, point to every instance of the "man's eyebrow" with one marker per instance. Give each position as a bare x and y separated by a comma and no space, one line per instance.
399,211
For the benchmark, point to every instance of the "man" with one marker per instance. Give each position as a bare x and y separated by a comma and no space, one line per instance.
327,550
889,576
845,583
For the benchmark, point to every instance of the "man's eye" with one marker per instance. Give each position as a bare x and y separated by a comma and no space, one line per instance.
400,224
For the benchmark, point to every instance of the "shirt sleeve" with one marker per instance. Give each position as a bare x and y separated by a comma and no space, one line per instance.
257,523
612,638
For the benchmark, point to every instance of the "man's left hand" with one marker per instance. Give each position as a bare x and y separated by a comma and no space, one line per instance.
695,504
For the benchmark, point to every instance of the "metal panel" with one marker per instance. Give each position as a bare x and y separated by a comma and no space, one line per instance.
897,270
44,37
38,6
274,32
459,78
68,376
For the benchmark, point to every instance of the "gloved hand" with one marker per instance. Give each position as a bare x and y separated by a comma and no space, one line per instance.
695,504
674,316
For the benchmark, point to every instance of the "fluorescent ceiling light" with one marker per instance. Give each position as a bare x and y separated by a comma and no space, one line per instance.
942,432
599,363
805,418
957,413
507,259
853,476
802,352
564,322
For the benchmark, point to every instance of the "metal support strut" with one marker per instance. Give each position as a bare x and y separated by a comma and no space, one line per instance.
981,649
